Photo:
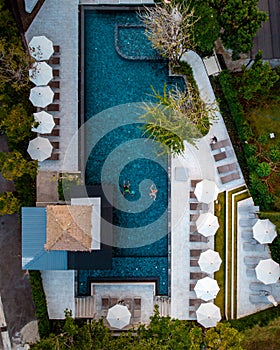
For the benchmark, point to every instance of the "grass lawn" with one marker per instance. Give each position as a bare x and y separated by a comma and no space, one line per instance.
266,121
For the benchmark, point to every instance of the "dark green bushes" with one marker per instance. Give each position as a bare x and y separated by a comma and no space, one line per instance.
39,299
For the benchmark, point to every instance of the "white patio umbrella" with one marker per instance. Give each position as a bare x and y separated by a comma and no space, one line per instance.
206,288
41,96
208,315
118,316
209,261
206,191
45,121
39,149
40,73
268,271
264,231
207,224
41,48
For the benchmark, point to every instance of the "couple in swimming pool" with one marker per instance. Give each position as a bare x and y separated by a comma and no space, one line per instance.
152,194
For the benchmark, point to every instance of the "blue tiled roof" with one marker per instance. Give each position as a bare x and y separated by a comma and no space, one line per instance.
34,256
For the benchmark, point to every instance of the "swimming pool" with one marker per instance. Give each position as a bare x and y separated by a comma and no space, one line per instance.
120,68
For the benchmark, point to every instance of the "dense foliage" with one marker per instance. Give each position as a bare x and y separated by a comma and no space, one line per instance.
39,299
178,116
239,21
163,333
15,114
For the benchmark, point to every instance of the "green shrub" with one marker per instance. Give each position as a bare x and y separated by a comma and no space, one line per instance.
39,300
263,169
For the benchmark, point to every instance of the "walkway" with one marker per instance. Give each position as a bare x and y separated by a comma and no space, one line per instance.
58,20
15,290
198,163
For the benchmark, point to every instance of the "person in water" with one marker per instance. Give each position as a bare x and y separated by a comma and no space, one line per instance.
126,188
153,193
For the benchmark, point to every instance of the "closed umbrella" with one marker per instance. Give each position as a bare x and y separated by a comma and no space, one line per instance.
41,96
39,149
206,288
206,191
118,316
40,73
41,48
45,122
264,231
268,271
207,224
209,261
208,315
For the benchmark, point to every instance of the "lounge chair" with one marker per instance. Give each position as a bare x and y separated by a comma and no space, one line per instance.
226,168
54,107
54,84
258,286
220,156
195,252
219,144
197,275
137,307
54,156
194,262
194,183
230,177
198,238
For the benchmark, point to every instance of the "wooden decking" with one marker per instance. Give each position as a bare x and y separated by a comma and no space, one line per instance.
268,37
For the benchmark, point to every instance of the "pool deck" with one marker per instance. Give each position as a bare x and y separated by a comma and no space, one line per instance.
199,162
54,20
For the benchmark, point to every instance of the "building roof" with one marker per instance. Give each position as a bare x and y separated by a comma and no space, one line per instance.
69,227
34,256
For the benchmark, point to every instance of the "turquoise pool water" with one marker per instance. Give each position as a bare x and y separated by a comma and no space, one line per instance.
120,67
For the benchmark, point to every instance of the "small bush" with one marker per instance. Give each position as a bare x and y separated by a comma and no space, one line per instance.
39,300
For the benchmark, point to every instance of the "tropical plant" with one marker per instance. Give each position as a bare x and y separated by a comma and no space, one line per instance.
9,204
254,83
239,21
263,169
13,165
176,117
170,29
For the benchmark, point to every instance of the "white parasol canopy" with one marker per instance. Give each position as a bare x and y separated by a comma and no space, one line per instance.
209,261
118,316
264,231
41,96
40,149
40,73
206,191
207,224
208,315
41,48
268,271
206,288
45,121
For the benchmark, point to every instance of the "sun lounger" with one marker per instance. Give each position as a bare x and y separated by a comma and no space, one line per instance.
104,306
250,272
258,286
197,275
194,183
226,168
192,285
195,252
198,238
54,156
56,49
54,60
247,234
194,302
137,308
54,84
55,132
194,262
55,144
195,206
251,261
230,177
258,299
192,228
247,246
192,314
193,217
57,121
192,195
220,156
219,144
54,107
56,96
56,72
